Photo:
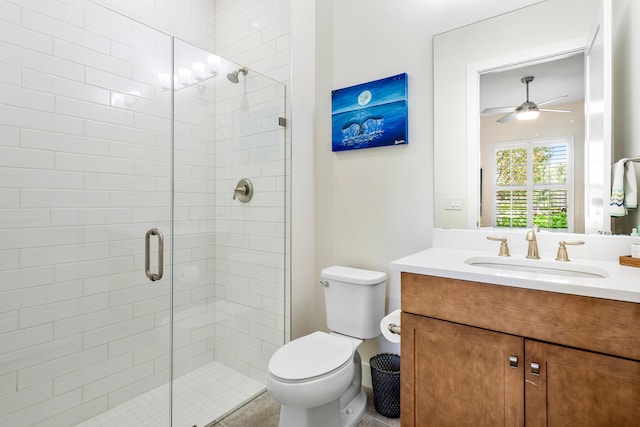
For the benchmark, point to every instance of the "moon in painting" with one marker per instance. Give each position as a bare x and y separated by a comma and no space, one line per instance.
364,97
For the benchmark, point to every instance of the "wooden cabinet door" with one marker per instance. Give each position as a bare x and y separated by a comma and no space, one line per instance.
580,388
456,375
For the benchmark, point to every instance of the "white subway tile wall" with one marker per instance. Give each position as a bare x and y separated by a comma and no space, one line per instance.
191,20
255,33
193,220
250,245
85,170
85,153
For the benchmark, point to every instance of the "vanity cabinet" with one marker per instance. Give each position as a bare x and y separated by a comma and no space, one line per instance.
489,355
452,374
580,388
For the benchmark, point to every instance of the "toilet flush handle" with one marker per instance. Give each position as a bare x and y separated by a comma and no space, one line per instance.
324,283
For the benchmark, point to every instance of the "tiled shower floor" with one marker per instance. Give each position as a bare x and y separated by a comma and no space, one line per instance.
200,397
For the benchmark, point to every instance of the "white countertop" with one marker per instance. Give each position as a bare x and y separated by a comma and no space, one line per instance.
622,283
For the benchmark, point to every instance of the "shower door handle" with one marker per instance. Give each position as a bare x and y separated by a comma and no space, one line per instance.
153,232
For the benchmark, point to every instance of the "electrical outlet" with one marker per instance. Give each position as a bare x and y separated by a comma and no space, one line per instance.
453,203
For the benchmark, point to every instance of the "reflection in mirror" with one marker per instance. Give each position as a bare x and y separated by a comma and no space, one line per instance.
626,93
457,105
533,162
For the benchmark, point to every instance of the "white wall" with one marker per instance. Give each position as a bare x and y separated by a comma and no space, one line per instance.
307,16
375,205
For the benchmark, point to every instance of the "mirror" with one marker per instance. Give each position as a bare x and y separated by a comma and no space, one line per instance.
551,30
553,92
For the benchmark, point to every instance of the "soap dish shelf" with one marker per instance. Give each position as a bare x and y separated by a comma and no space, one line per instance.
631,262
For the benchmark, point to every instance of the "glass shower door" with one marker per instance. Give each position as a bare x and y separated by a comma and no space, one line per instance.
113,136
229,250
85,173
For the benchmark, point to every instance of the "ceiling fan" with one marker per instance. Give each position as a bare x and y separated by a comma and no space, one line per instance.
528,110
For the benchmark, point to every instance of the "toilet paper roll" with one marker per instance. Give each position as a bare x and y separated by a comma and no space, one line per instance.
392,318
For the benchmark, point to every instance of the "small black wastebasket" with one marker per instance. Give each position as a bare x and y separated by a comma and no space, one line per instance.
385,378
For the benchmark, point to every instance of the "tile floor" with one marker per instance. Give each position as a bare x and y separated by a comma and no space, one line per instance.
207,393
210,393
263,411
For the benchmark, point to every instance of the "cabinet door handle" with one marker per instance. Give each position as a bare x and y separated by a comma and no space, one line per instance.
535,368
513,361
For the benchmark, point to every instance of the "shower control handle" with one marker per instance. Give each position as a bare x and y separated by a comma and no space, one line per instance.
240,190
147,264
243,190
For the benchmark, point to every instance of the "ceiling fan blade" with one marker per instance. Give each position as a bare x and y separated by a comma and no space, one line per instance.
507,118
496,110
556,111
551,100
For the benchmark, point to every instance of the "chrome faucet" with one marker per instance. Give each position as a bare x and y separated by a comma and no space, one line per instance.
532,250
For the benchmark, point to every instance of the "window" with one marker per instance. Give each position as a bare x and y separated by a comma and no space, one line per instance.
532,184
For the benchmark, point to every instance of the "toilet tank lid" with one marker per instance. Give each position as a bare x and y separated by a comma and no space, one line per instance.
353,275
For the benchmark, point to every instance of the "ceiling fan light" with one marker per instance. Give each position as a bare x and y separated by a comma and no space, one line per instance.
528,115
527,111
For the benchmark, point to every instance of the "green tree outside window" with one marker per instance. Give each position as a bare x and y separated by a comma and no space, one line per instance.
531,185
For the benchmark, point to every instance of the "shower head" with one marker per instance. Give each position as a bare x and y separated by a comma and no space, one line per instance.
233,77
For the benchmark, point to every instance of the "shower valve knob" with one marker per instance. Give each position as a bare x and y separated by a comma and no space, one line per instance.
243,190
240,190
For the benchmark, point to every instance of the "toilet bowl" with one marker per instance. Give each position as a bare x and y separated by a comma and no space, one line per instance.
317,378
312,370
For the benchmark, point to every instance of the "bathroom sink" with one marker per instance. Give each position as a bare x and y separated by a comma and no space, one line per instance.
555,268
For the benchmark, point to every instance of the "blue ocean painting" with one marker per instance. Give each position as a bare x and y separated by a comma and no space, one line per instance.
372,114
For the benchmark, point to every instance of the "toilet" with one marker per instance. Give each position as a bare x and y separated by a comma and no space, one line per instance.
317,378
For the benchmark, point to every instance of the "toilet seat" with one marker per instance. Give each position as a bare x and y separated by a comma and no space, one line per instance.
311,356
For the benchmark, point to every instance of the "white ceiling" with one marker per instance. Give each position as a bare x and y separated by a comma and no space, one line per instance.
552,79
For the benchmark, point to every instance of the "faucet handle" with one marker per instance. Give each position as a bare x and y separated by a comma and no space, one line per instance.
504,249
562,250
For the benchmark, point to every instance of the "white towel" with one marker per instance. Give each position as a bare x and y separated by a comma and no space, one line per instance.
616,205
630,186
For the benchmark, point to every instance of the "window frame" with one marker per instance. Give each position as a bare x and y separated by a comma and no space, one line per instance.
529,144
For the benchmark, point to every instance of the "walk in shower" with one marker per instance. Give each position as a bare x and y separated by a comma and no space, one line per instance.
135,288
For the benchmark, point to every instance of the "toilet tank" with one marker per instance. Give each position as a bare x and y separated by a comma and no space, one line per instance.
354,300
